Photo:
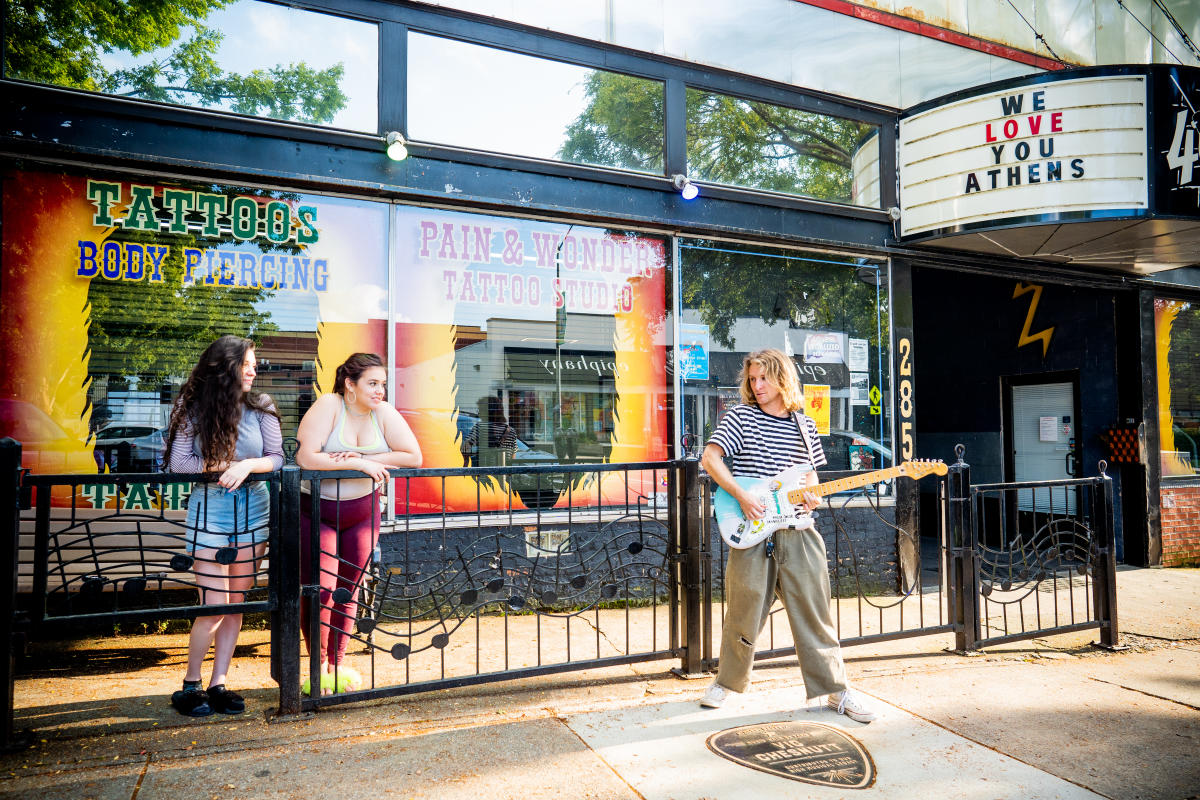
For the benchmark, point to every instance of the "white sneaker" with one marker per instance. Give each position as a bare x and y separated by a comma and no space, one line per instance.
715,696
852,705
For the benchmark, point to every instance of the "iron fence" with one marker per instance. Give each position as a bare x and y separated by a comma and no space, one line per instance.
548,569
117,548
875,596
111,549
1042,559
452,597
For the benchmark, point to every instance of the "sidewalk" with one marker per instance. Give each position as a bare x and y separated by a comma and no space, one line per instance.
1050,718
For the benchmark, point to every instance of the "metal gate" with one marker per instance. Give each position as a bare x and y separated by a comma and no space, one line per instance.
1031,559
628,568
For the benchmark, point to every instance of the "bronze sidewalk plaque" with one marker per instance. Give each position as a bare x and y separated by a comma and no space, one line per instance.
803,751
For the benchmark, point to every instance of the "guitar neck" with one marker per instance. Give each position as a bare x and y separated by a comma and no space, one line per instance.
796,496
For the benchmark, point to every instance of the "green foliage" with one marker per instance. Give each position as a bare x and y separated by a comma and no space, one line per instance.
622,126
805,294
743,143
729,140
61,43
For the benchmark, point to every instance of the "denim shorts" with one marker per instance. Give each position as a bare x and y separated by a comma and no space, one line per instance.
218,518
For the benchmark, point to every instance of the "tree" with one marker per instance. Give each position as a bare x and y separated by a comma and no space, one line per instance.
622,125
807,294
60,42
745,143
729,140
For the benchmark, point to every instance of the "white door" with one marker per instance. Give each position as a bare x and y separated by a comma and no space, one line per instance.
1043,426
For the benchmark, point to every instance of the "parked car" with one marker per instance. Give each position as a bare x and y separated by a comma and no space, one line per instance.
126,447
45,447
847,450
537,490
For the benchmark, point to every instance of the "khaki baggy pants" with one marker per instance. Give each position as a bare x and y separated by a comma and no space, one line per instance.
799,574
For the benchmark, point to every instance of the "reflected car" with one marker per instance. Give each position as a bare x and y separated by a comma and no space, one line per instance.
536,491
125,447
45,447
847,450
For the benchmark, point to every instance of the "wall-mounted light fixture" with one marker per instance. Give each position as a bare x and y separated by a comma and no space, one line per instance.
397,148
869,275
683,184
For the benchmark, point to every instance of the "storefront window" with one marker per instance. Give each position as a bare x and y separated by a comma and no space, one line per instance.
248,57
467,95
830,313
111,289
523,343
757,145
1177,335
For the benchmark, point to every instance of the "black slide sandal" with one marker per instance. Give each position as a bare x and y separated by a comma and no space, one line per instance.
191,702
225,701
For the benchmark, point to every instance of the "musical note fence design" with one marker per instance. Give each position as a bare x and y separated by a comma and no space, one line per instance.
626,567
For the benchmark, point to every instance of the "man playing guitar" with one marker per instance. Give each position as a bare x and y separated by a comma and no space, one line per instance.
763,436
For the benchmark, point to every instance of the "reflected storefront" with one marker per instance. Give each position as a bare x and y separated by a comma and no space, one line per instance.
540,293
559,331
112,289
562,333
829,313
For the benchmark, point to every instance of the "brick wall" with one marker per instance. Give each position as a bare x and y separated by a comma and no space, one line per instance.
552,566
1180,526
624,558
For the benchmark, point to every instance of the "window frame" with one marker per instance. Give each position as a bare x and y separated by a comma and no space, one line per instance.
394,22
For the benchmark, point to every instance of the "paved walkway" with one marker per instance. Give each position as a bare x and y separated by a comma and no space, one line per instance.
1054,718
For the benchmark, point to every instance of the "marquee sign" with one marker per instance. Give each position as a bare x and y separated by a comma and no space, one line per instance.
1027,153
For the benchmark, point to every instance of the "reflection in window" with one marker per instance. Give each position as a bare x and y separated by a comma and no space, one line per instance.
510,103
244,58
149,276
829,312
528,343
1177,333
762,146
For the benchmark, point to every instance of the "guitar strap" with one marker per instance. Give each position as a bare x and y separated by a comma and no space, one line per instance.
803,437
808,451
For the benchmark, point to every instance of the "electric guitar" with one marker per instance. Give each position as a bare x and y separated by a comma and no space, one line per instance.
783,496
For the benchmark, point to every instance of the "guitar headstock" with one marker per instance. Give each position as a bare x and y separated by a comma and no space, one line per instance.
919,468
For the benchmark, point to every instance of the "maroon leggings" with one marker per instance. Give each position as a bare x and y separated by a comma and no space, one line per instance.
349,532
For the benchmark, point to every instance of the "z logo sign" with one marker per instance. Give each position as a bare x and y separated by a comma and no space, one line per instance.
1043,335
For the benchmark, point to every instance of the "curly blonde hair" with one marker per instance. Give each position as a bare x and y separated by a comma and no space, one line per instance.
779,370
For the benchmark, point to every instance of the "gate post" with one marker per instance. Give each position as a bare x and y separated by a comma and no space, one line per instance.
1104,585
10,526
963,586
690,530
285,585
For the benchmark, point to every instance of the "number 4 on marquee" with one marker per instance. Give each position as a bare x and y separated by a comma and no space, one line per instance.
1182,155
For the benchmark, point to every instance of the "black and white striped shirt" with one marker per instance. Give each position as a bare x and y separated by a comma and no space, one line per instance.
761,445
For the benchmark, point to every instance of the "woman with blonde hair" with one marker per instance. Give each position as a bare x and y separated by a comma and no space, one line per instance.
763,436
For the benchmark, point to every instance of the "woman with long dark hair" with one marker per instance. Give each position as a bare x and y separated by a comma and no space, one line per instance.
219,425
353,428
